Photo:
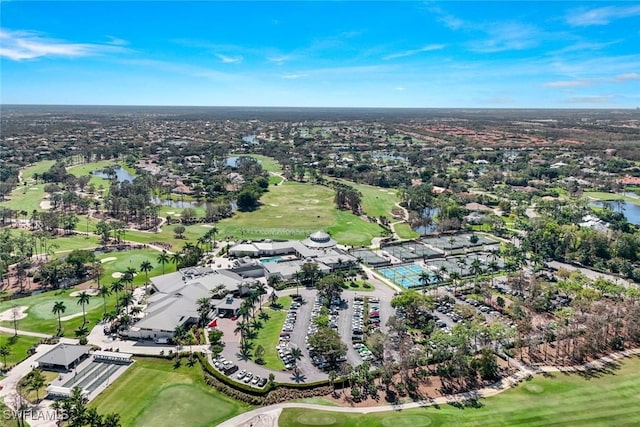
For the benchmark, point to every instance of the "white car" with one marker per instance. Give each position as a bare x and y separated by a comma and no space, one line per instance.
248,377
255,380
241,374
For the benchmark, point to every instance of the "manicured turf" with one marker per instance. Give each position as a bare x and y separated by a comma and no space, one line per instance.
598,195
561,400
191,234
269,334
153,393
358,286
268,163
295,210
376,201
40,167
41,319
25,198
17,346
405,232
88,168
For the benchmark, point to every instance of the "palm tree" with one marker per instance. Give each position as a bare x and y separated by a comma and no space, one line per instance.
36,381
273,298
298,275
455,277
98,269
242,328
274,280
296,353
129,275
424,278
104,293
127,299
4,352
59,308
116,287
260,288
203,310
179,334
83,299
163,258
476,269
176,258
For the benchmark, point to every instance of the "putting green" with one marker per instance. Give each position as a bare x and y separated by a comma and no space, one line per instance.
185,405
154,392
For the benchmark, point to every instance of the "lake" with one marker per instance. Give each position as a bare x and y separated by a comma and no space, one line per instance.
630,210
121,174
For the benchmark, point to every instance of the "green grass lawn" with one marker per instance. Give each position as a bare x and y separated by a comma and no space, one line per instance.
167,235
295,210
561,400
88,169
269,335
405,232
601,196
154,393
41,319
18,347
268,163
358,286
39,167
25,198
376,201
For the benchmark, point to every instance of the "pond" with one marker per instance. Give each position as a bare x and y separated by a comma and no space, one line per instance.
432,212
186,203
630,210
251,139
121,174
176,203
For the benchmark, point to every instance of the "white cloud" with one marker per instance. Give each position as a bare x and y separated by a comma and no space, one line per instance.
401,89
427,48
596,99
620,78
279,59
566,83
505,36
229,59
601,15
293,76
24,45
626,77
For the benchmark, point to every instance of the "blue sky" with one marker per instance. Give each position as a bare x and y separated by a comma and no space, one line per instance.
544,54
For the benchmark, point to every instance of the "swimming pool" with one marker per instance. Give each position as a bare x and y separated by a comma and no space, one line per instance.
271,259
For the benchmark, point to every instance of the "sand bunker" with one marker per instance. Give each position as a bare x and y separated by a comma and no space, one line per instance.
91,291
118,275
45,204
107,259
170,213
21,313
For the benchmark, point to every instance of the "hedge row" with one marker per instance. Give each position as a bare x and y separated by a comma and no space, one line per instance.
271,393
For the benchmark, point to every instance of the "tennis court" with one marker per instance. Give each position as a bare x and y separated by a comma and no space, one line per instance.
407,275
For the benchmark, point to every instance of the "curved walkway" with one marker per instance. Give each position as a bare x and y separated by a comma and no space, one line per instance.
26,333
267,416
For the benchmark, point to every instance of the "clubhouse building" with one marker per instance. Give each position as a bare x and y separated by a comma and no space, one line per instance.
174,299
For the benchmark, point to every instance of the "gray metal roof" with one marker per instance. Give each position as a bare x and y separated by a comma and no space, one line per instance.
63,354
